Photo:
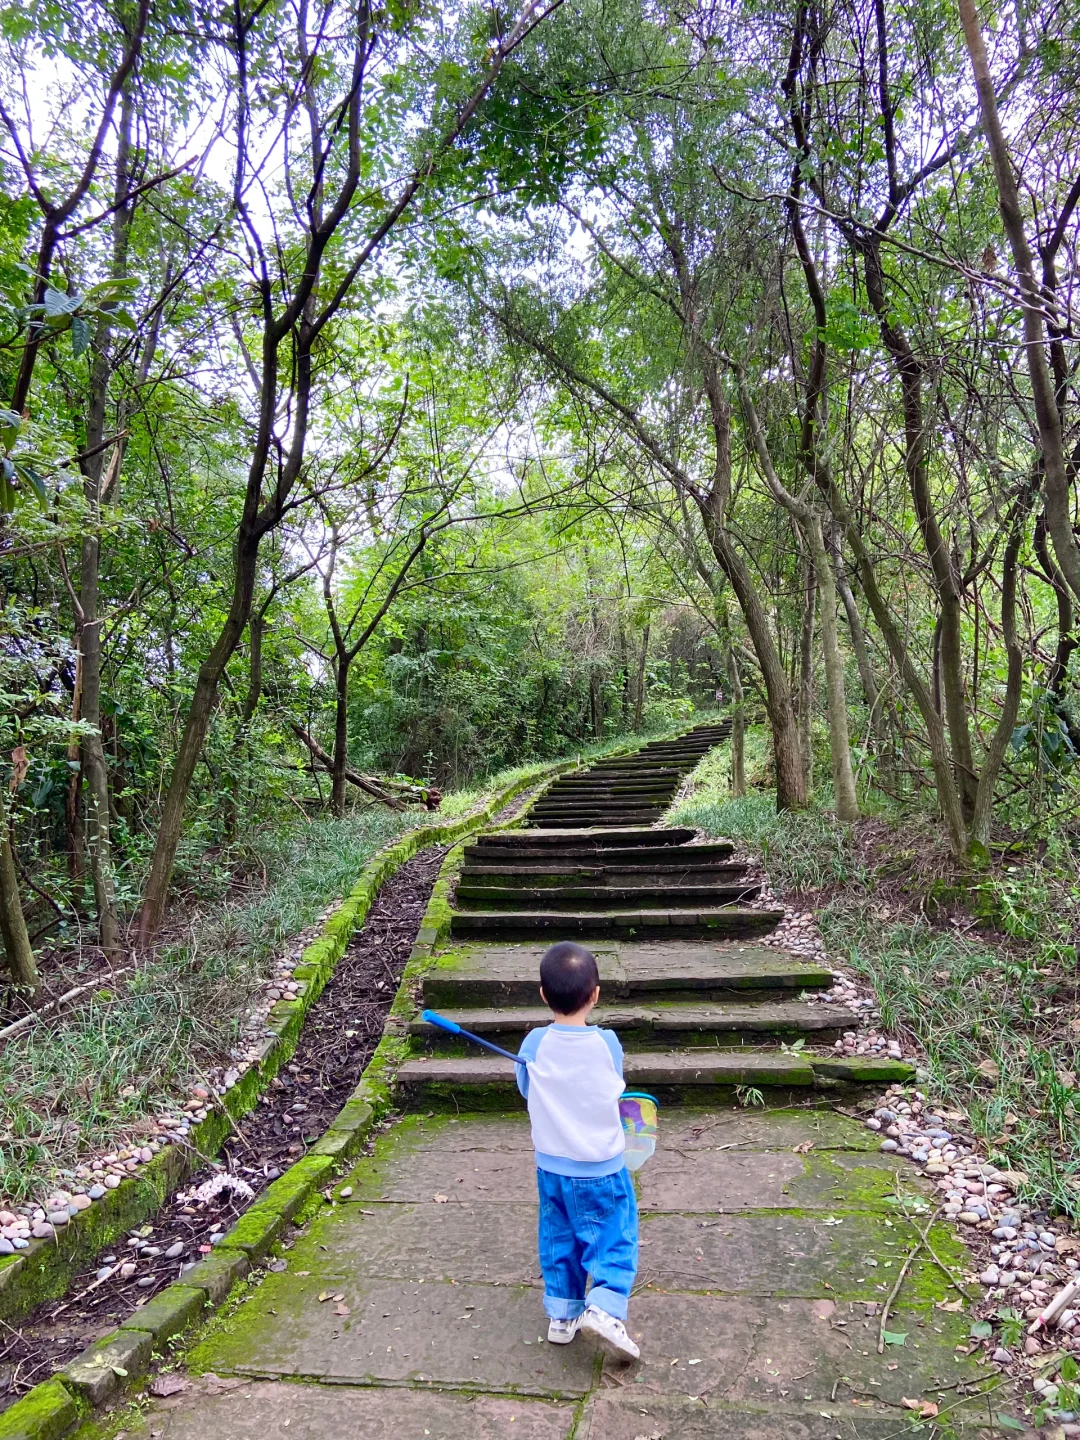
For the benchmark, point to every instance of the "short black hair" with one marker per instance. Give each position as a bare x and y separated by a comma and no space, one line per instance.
568,976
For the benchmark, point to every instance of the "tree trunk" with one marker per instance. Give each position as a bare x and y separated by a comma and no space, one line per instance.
979,832
341,736
843,777
17,948
199,715
639,683
1047,415
256,630
738,713
910,373
806,669
73,816
787,753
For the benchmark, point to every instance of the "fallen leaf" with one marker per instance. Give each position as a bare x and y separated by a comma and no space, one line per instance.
278,1266
895,1337
925,1409
219,1385
441,1199
989,1068
1067,1078
169,1385
953,1307
325,1295
342,1310
832,1220
803,1148
20,764
303,1272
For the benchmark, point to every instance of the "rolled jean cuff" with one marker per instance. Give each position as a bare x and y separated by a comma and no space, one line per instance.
609,1300
556,1308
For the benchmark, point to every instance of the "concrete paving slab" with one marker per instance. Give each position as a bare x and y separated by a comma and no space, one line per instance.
815,1124
611,1416
704,1181
482,1337
419,1174
268,1410
491,1243
787,1255
771,1351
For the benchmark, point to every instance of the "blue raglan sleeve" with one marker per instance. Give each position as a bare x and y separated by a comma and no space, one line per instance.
611,1040
529,1047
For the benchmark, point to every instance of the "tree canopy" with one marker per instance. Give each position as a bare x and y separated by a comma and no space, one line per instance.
389,393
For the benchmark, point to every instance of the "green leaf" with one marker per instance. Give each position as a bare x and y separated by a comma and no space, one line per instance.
57,304
1007,1422
895,1337
33,479
981,1330
80,335
10,425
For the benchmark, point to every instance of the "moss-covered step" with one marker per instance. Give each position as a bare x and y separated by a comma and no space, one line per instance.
526,853
863,1069
575,819
733,922
659,1070
587,840
656,1025
471,895
524,876
507,974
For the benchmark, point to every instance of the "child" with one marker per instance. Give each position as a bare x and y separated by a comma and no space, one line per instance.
588,1213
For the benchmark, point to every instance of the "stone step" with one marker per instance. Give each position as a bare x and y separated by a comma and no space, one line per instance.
478,975
652,1026
724,923
578,788
608,804
597,822
471,895
599,857
664,1073
587,873
589,840
599,814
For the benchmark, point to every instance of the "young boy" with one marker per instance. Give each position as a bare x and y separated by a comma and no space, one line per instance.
588,1213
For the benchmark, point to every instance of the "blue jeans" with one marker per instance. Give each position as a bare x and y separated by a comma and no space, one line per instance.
588,1229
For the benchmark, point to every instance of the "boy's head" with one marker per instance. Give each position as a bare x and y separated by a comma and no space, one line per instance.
568,977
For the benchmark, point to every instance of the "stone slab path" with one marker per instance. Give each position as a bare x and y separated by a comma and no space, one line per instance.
773,1228
769,1242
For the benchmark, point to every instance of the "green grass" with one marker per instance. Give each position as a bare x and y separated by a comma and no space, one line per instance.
69,1087
969,965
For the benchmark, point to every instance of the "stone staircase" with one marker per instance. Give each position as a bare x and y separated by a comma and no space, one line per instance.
698,1006
625,789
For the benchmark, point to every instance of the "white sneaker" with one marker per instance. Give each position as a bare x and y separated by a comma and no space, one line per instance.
561,1332
609,1333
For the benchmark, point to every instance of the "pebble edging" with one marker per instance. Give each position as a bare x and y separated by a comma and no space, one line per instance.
57,1406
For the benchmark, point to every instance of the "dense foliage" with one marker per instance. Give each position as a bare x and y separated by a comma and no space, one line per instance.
394,394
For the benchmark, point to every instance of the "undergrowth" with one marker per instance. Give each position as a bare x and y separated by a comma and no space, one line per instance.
977,967
74,1084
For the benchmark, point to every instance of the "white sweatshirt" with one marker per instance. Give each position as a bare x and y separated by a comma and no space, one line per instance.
573,1083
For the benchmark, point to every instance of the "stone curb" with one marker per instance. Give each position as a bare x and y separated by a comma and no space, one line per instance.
55,1407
